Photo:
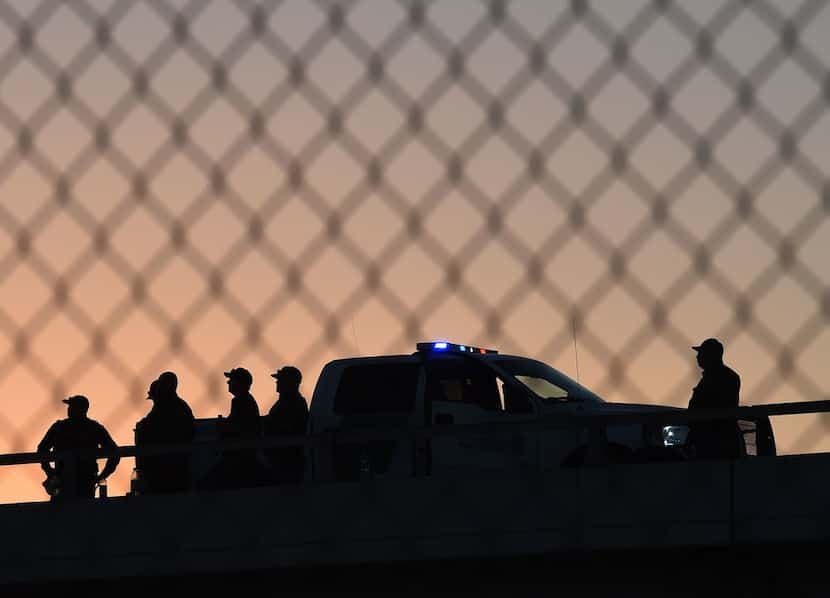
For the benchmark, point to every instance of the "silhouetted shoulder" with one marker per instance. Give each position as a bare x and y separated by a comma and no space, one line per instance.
251,406
94,424
60,426
50,435
185,407
732,376
100,433
728,387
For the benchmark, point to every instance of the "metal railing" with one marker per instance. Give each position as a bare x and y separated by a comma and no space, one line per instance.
327,441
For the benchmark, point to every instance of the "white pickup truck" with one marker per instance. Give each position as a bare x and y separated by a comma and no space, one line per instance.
448,387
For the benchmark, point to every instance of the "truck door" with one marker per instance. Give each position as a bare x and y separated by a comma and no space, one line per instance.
461,392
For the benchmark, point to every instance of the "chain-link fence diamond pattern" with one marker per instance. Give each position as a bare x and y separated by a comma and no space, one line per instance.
194,185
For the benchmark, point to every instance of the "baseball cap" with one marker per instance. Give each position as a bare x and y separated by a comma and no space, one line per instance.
288,372
79,400
240,374
710,345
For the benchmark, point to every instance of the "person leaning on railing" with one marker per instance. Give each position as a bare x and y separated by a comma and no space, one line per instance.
288,417
170,421
719,388
75,477
238,468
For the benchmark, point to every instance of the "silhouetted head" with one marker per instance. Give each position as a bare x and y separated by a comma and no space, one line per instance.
239,381
167,384
709,353
153,392
78,405
288,379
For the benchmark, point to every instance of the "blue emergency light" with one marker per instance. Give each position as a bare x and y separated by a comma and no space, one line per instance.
445,347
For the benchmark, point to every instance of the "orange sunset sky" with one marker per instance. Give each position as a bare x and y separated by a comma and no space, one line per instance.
103,283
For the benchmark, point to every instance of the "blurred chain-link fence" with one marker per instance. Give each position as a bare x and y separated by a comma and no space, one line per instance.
195,185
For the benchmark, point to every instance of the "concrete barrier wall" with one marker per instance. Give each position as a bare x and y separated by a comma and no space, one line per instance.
367,522
624,507
782,499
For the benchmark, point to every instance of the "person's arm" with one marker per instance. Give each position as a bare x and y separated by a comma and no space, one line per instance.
191,423
45,446
737,392
268,423
294,423
701,395
255,422
106,442
695,398
247,420
228,425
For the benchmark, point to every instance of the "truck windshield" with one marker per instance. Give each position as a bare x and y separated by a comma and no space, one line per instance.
544,381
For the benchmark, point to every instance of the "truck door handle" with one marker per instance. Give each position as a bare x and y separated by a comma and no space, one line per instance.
443,419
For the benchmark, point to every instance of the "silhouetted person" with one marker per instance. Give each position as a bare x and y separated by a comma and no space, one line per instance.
719,388
77,476
240,467
170,421
288,417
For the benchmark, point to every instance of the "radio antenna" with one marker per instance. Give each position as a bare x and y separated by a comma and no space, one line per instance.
576,351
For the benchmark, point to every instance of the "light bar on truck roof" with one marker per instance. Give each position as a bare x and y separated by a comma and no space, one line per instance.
445,347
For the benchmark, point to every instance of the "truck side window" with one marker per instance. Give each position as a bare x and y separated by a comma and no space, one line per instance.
383,388
543,388
458,381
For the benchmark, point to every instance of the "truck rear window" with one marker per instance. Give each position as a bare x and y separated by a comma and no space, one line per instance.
381,388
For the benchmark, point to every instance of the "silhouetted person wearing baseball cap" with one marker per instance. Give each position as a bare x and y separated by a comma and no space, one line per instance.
170,421
76,477
240,467
719,388
288,417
